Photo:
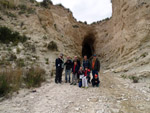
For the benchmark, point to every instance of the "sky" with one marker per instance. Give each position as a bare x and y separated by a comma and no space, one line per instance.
87,10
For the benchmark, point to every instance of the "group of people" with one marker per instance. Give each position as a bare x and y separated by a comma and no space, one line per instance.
80,71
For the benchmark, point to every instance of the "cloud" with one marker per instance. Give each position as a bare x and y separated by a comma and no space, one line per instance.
88,10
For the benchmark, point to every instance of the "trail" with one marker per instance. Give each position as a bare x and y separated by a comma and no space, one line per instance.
114,95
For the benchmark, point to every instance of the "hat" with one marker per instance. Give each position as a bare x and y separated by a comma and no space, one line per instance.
96,75
94,55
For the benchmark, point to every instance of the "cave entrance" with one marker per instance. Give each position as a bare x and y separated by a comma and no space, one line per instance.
88,45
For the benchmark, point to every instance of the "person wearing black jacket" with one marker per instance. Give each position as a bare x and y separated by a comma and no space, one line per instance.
59,63
86,63
68,65
95,81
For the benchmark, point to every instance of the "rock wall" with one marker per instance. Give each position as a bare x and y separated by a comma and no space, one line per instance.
126,35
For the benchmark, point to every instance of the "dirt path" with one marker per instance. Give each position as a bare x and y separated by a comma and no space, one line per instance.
113,96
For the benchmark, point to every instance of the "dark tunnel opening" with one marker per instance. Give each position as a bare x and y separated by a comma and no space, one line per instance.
88,45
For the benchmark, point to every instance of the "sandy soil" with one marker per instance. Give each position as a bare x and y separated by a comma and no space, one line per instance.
115,95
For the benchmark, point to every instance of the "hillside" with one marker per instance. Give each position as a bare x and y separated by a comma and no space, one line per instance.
41,31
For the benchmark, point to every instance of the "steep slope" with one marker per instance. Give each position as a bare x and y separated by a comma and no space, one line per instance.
123,41
44,25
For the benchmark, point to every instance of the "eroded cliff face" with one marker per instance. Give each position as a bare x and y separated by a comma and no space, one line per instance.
123,40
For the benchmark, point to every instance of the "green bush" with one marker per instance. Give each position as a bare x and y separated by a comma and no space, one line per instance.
144,54
46,3
135,79
52,46
7,36
34,77
46,61
32,1
23,7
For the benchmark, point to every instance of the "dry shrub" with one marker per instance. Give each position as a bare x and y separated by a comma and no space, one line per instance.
10,80
34,77
52,46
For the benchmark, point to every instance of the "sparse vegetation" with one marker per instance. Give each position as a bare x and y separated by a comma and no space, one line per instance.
12,57
20,62
46,3
1,18
55,26
21,12
31,11
23,7
10,81
75,26
123,76
44,37
52,46
135,79
46,60
7,36
7,4
9,14
32,1
144,54
60,5
18,50
130,61
34,77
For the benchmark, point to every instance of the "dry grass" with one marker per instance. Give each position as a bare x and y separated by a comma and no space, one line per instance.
34,77
10,80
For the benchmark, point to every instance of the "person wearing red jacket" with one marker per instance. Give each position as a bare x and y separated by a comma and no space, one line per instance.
75,70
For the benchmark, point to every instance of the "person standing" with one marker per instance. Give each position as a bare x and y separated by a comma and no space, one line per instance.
86,64
59,63
68,65
75,69
79,64
95,65
77,60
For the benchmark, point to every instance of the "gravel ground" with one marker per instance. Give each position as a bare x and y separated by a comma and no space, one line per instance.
115,95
